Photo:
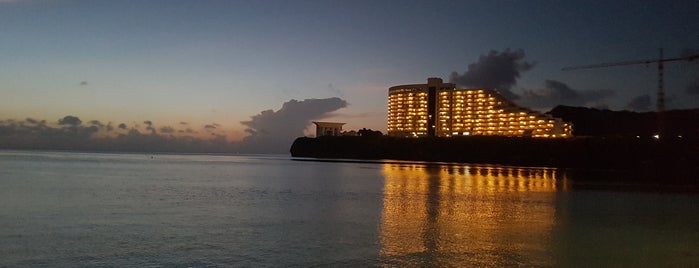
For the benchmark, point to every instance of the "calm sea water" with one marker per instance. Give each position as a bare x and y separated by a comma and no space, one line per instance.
134,210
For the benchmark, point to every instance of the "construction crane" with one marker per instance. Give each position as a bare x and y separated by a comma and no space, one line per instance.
661,91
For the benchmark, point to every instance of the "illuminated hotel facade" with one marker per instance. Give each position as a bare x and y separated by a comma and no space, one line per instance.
440,109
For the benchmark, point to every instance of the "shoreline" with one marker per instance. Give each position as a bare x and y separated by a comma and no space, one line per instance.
679,155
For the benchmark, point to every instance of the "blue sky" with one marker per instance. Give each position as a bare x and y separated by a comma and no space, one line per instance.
205,62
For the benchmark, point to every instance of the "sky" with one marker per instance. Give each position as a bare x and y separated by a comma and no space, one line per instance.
211,68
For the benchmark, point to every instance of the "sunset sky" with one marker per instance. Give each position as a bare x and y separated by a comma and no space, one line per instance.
218,63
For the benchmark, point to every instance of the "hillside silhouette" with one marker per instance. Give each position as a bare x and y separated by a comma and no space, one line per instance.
606,123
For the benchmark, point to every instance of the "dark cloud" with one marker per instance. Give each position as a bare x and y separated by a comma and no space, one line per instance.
560,90
167,130
31,121
498,70
70,120
184,123
83,83
558,93
149,126
269,132
71,135
211,126
96,123
274,131
641,103
36,134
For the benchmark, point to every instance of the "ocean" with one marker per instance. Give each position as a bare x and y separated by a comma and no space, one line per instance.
69,209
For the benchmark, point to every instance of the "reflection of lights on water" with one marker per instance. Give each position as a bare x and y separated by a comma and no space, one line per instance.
485,178
657,136
476,214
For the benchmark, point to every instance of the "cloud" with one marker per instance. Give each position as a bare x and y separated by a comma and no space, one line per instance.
32,121
96,123
83,83
167,130
269,132
70,120
69,134
274,131
641,103
108,127
558,93
213,126
560,90
36,134
149,126
498,70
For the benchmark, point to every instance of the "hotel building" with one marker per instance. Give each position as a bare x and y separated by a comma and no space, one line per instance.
440,109
328,128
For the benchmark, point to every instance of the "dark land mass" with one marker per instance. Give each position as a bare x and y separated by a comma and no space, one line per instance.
583,152
606,123
605,140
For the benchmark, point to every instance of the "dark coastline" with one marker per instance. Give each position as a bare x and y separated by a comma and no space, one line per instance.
670,160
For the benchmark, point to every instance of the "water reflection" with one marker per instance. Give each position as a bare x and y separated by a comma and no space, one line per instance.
436,215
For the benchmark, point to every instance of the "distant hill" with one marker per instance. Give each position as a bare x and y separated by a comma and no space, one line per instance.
606,123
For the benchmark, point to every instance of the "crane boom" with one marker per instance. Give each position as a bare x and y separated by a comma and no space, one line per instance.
612,64
661,91
659,61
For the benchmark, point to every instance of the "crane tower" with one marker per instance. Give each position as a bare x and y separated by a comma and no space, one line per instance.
661,91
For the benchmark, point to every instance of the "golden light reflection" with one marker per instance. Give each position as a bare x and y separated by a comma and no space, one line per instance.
483,216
